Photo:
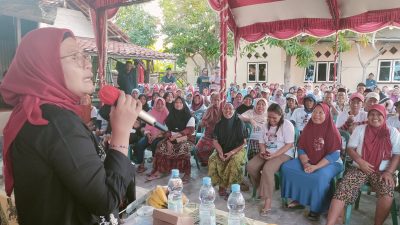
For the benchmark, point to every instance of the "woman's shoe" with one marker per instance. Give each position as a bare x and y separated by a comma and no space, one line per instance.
295,205
313,216
265,212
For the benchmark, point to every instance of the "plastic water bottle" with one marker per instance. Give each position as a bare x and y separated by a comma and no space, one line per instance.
236,206
175,187
207,207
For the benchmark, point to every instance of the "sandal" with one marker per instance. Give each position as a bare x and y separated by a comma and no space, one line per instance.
141,168
265,212
313,216
295,205
153,177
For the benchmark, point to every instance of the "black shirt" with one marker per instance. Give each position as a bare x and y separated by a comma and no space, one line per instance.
59,176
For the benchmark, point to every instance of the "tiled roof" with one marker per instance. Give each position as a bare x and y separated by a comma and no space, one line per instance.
124,50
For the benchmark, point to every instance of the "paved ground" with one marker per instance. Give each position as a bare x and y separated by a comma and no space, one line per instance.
364,215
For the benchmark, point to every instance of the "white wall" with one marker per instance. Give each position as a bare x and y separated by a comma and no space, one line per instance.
73,20
351,71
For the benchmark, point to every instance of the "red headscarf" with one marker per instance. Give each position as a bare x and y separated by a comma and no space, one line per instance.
160,116
318,140
377,145
34,78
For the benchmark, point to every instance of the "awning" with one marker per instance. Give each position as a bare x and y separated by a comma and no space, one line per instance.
43,11
123,50
284,19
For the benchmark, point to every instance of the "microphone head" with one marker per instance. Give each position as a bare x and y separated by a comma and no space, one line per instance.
109,94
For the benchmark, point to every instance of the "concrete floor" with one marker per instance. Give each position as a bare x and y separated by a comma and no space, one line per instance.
365,215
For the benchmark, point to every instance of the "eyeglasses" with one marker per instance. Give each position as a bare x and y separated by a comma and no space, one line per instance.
80,57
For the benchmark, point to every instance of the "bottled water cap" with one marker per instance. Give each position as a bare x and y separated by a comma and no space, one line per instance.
206,180
235,188
175,172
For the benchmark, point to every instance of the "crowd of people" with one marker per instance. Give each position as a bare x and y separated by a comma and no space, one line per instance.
262,129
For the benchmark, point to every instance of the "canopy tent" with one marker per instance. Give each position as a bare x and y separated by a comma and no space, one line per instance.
252,20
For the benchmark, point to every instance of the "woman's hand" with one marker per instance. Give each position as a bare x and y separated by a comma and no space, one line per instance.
253,123
228,155
310,168
365,166
221,156
388,178
124,115
271,156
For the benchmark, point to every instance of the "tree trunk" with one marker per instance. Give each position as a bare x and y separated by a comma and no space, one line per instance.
286,72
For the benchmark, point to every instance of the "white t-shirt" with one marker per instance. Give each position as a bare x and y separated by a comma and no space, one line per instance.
357,139
93,112
342,117
274,140
259,119
301,118
394,121
217,83
190,123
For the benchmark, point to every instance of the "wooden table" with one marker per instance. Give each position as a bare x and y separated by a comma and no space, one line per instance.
191,209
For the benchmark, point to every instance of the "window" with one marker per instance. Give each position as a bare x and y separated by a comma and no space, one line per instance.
319,72
257,72
389,71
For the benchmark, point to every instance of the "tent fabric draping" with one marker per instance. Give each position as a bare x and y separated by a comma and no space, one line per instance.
284,19
252,20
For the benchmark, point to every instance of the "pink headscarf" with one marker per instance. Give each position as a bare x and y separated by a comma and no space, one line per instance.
34,78
160,116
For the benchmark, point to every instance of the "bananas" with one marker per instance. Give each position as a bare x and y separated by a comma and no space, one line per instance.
159,200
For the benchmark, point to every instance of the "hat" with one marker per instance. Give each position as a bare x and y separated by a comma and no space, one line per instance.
357,95
373,95
266,90
310,96
291,96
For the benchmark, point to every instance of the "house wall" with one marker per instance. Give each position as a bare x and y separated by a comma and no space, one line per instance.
350,73
73,20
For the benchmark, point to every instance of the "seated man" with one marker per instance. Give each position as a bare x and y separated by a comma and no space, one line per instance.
348,120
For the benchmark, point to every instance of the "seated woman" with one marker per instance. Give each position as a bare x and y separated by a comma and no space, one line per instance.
205,145
143,100
169,99
174,151
307,179
152,135
238,100
247,104
374,148
225,166
197,108
276,147
257,117
291,105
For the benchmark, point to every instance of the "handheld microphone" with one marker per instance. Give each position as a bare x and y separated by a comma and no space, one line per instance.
109,95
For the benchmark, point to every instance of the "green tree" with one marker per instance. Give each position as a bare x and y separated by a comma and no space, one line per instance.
192,28
140,26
